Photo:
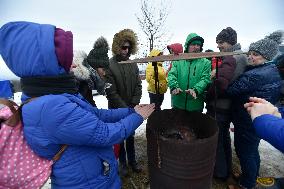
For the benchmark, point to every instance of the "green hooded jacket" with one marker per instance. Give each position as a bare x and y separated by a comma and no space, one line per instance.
189,74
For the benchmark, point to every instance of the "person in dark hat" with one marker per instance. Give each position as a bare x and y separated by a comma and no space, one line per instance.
261,79
188,79
90,70
98,56
218,103
126,89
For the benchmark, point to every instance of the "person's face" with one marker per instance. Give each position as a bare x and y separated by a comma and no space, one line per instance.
255,58
223,46
194,48
101,72
124,49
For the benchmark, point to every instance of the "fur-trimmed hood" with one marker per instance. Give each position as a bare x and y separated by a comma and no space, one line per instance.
80,71
122,36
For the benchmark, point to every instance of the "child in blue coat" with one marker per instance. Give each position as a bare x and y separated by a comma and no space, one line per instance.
41,55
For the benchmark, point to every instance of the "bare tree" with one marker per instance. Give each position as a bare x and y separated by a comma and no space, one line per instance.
152,22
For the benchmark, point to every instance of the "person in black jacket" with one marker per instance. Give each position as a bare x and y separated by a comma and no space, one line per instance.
126,89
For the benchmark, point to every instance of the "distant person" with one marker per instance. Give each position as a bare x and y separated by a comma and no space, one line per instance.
209,50
98,57
261,79
157,80
175,49
126,89
188,79
60,115
218,102
90,70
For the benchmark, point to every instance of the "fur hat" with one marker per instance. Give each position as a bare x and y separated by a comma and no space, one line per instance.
228,35
98,56
123,36
269,46
80,71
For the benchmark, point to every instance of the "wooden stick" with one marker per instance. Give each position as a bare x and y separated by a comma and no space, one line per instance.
182,56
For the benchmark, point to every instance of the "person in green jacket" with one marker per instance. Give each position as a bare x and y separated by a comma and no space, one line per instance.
188,79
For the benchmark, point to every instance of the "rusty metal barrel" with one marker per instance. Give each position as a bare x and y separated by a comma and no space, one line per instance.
181,148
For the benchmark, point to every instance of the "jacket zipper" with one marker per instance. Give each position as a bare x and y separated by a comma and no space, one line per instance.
188,77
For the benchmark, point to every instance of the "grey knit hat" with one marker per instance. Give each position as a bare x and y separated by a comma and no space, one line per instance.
98,56
269,46
228,35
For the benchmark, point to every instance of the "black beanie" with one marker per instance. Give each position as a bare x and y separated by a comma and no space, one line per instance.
98,56
228,35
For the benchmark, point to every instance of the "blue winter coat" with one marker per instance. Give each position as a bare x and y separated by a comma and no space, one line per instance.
52,120
261,81
271,129
6,90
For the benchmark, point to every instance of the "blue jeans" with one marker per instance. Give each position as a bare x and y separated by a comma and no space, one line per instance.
246,145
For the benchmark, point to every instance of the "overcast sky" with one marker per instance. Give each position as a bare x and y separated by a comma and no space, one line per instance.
90,19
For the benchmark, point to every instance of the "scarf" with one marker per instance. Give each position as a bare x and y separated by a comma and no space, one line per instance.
39,86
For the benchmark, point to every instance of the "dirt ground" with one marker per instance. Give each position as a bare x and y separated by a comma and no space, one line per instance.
272,164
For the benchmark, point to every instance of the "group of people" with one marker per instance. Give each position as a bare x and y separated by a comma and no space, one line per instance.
226,85
64,111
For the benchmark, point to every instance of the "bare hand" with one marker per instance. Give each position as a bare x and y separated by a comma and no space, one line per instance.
213,74
258,106
145,110
176,91
191,92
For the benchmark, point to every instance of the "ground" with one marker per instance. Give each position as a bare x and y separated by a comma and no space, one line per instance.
271,164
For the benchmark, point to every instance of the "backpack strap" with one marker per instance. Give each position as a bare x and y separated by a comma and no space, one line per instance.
16,117
59,153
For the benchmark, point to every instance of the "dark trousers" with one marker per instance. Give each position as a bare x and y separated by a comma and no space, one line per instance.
223,163
130,151
246,145
157,99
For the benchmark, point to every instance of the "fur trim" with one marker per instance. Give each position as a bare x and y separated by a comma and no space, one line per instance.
122,36
80,71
